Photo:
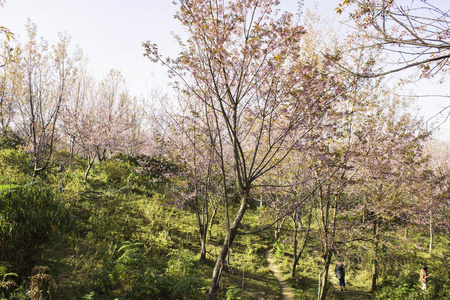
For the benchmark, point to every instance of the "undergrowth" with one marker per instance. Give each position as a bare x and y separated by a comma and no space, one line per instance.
113,237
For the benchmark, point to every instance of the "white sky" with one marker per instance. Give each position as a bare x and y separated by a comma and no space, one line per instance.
111,33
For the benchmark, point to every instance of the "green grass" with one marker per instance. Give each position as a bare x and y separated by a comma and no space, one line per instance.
130,243
5,187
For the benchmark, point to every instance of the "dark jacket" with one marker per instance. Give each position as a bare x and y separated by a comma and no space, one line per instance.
340,271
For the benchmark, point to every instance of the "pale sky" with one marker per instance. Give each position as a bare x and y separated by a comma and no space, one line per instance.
111,33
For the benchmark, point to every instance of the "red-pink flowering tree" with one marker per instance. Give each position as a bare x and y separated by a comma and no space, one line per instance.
415,34
390,174
10,85
190,143
434,193
100,120
240,60
45,75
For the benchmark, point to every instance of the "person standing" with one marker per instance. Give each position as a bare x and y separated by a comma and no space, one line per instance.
424,277
340,274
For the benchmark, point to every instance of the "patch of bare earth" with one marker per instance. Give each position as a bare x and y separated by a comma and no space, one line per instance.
286,291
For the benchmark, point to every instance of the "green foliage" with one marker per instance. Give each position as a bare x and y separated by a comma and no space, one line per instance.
14,167
152,171
181,263
408,286
18,294
132,244
29,215
89,296
118,264
117,172
10,140
7,281
234,292
123,270
42,284
190,288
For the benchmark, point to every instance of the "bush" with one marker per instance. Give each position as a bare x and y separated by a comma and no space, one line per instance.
42,284
151,170
123,270
14,167
7,281
9,140
29,216
117,172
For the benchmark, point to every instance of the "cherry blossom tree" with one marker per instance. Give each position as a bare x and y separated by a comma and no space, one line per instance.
389,176
191,140
101,119
434,191
45,74
240,60
415,33
9,86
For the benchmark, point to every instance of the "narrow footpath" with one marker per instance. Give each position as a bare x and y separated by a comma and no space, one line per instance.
286,291
351,293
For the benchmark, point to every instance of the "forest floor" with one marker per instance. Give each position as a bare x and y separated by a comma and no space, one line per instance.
350,293
287,292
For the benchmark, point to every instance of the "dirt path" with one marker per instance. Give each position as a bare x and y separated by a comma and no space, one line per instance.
286,291
350,293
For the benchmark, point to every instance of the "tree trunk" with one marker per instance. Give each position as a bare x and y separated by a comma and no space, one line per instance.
375,256
278,227
431,233
90,163
212,219
232,232
203,232
324,275
305,240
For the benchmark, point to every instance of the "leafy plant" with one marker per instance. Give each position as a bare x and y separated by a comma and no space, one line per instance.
29,216
123,270
7,284
189,288
117,172
14,167
42,284
234,292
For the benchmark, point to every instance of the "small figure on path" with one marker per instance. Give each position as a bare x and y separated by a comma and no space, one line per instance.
424,277
340,274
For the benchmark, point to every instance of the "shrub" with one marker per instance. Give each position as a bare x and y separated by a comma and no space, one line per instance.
189,288
14,167
7,281
117,172
29,215
123,269
9,140
151,170
42,284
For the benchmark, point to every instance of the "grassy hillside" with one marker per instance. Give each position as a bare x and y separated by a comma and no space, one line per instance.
120,236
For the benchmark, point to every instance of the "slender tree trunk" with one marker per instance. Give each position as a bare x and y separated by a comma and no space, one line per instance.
324,275
231,235
329,240
295,260
375,256
431,232
304,241
203,232
278,227
90,163
214,212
